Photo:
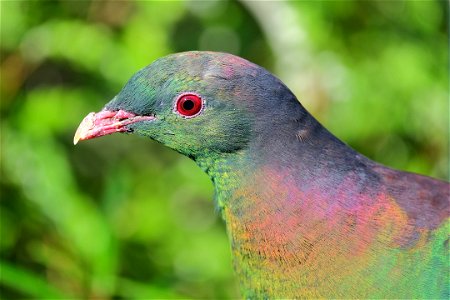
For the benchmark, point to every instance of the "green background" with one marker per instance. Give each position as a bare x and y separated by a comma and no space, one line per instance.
124,217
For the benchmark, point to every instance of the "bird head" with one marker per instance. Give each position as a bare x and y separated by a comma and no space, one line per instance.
193,102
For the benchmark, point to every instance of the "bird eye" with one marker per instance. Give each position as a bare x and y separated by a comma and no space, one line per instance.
189,105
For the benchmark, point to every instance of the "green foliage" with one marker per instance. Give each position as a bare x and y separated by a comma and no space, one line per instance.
123,217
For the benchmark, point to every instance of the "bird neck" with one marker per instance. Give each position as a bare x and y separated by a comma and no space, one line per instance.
286,201
306,154
226,171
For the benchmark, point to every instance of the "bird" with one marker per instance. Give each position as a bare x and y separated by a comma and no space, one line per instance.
307,216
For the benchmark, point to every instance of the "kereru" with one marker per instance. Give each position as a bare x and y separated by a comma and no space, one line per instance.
307,216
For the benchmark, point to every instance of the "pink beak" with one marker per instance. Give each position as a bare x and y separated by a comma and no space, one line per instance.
106,122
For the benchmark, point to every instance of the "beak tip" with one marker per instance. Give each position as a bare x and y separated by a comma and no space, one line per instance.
77,136
83,129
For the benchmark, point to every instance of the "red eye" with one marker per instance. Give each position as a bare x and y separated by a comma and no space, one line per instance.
189,105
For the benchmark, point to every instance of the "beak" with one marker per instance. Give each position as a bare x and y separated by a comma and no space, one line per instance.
106,122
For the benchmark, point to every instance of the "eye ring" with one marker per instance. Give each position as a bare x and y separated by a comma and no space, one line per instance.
188,105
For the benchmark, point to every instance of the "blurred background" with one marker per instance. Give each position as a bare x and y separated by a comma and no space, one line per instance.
122,217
